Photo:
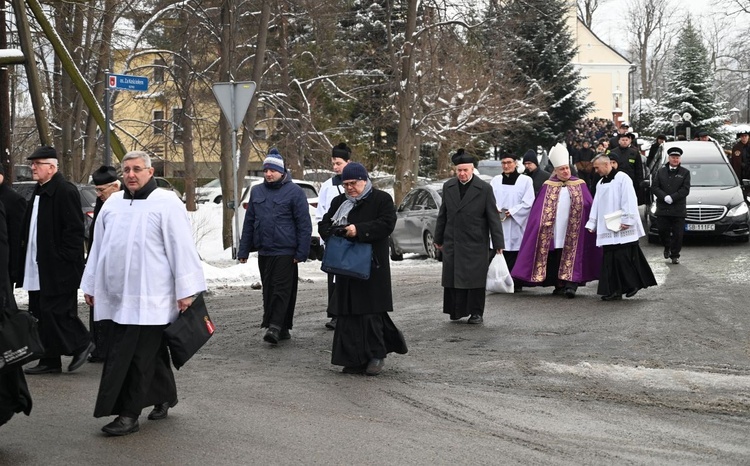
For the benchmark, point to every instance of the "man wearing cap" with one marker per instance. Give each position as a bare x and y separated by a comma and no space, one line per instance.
582,161
106,183
514,195
15,209
143,270
740,157
466,222
556,249
703,136
630,163
332,188
52,248
671,186
538,176
617,222
614,141
277,225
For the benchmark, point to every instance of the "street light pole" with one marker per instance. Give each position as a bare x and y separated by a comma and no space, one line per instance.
748,104
640,105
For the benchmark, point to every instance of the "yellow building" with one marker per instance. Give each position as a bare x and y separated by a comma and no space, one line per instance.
149,120
606,73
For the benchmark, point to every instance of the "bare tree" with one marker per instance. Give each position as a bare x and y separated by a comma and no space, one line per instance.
586,10
650,32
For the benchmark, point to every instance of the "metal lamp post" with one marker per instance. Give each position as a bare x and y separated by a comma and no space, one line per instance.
640,105
676,118
687,118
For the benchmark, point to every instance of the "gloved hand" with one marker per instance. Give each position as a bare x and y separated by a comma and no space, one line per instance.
668,199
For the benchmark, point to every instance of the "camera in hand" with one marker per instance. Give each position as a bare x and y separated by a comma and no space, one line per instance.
339,231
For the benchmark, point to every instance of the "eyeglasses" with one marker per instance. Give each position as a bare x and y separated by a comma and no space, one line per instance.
350,184
512,162
136,170
103,188
36,164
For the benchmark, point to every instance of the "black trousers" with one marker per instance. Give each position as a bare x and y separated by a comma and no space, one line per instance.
331,285
279,277
60,328
671,231
137,372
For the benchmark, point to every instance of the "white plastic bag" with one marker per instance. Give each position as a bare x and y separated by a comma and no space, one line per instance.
498,276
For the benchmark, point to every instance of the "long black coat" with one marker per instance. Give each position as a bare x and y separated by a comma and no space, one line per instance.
60,235
675,184
538,177
463,229
374,217
15,209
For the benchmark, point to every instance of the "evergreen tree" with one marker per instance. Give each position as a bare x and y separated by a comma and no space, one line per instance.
689,88
541,47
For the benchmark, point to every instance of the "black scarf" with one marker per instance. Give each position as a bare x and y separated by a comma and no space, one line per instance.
511,178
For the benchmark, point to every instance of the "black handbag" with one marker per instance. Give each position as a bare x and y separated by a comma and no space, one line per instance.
345,257
192,329
19,339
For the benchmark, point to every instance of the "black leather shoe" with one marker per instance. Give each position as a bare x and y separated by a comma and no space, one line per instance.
331,324
518,289
631,293
612,297
284,334
354,369
475,319
375,366
95,359
272,335
122,426
666,253
570,293
161,410
81,358
42,369
558,291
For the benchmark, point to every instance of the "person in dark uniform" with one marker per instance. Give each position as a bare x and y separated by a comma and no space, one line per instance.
106,182
671,186
52,246
630,163
538,176
15,209
740,157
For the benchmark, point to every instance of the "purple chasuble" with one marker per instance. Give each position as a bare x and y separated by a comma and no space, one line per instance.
581,259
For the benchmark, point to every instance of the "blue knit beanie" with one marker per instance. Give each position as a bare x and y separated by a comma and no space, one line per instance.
354,171
530,156
274,161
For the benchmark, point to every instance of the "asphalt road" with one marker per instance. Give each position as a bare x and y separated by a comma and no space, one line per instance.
663,378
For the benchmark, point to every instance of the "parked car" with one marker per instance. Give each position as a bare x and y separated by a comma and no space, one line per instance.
715,205
416,217
211,191
88,201
163,183
311,192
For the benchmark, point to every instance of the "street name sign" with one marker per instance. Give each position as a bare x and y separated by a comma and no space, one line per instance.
128,83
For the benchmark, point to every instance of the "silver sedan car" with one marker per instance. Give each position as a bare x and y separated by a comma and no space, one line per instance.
416,217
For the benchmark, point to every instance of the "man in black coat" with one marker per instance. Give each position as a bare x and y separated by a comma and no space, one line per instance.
15,208
52,247
538,176
630,163
468,217
671,186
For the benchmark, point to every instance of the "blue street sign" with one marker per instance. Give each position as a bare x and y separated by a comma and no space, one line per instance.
128,83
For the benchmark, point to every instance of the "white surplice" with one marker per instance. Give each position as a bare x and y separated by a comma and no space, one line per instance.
517,199
142,260
618,194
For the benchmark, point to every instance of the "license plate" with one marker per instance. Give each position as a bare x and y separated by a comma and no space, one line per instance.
700,227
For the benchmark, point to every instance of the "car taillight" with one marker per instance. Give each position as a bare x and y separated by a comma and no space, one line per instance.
244,205
90,213
314,204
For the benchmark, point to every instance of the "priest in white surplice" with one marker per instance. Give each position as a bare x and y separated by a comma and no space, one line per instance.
142,271
615,219
514,195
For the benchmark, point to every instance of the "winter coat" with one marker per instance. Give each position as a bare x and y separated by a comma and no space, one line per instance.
538,177
629,162
374,217
673,183
59,237
740,160
463,229
15,209
277,222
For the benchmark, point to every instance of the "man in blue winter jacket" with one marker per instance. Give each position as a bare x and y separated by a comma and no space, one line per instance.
278,226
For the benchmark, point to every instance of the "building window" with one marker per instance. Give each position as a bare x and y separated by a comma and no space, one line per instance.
159,66
260,133
158,122
177,125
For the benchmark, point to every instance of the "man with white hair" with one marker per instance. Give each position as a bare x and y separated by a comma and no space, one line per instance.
142,271
556,249
52,247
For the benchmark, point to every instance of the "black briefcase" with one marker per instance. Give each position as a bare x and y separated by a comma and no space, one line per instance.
186,335
19,339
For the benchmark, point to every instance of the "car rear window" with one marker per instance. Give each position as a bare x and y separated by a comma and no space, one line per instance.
711,175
